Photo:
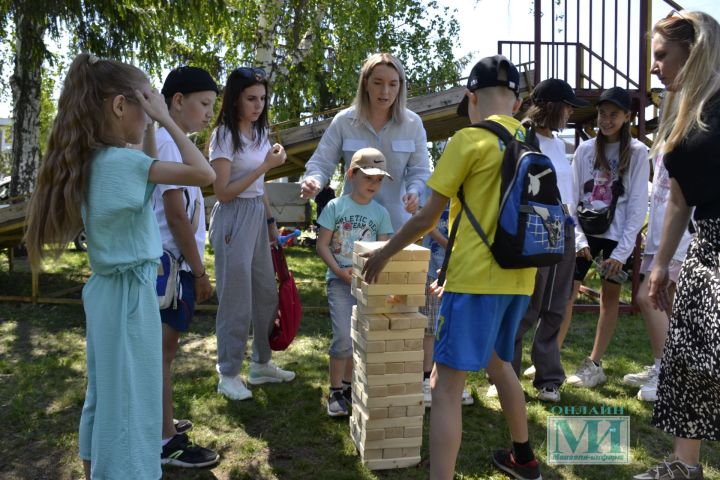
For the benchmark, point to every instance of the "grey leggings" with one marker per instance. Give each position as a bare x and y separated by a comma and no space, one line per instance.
246,287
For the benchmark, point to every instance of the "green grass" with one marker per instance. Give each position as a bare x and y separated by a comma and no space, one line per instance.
283,433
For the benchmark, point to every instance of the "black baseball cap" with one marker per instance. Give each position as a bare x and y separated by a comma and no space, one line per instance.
616,95
188,80
485,74
556,90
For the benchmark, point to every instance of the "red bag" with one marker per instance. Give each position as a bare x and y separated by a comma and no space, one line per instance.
289,314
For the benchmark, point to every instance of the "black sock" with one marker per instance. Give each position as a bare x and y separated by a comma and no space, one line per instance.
426,375
346,385
523,452
596,363
333,390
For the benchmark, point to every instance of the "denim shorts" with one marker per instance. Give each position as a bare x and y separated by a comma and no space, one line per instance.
340,302
471,326
179,318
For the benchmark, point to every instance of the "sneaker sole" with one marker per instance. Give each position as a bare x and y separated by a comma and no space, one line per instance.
634,383
179,463
580,383
514,475
261,380
642,399
467,401
232,396
337,414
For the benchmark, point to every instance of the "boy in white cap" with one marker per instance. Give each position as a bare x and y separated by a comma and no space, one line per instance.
353,216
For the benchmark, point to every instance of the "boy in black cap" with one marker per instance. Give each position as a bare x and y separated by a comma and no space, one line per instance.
190,93
482,303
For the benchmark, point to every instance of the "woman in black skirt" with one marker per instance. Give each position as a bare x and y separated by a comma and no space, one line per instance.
686,50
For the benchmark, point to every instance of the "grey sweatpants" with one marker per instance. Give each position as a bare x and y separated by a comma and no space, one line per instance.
246,287
553,287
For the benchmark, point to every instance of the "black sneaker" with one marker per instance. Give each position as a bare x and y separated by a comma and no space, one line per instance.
347,394
336,405
182,426
181,452
505,461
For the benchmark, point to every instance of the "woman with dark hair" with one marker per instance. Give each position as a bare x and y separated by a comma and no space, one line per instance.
241,229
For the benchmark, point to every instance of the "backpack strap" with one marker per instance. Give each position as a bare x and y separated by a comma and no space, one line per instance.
453,232
497,129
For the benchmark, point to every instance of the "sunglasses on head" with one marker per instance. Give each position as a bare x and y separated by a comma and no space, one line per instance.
676,14
251,72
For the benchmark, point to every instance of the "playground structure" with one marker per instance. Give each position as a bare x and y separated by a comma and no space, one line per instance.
580,41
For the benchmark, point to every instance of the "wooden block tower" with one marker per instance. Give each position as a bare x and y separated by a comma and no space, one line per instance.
387,331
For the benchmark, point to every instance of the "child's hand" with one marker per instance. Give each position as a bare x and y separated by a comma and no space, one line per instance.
345,275
273,233
584,253
276,156
610,268
309,188
153,103
203,289
436,289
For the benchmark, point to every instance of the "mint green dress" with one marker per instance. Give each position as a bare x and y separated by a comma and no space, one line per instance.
120,426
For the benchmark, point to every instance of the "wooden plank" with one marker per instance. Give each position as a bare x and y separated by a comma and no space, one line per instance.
387,379
392,401
392,289
414,266
384,357
392,463
395,308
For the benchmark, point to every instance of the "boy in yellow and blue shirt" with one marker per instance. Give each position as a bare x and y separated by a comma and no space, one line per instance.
482,303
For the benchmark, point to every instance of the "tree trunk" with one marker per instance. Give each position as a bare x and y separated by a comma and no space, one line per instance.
26,90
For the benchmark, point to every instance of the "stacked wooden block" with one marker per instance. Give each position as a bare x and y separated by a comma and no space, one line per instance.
387,331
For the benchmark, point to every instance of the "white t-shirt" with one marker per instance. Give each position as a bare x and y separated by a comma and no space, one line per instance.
658,204
554,148
193,200
241,162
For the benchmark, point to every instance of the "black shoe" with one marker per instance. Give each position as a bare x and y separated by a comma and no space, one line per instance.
181,452
336,405
505,461
182,426
347,394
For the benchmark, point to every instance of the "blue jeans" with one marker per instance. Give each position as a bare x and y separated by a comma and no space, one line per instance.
340,302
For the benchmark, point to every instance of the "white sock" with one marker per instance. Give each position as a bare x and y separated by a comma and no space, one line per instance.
657,364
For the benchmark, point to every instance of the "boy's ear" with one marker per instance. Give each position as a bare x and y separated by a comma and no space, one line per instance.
516,105
177,100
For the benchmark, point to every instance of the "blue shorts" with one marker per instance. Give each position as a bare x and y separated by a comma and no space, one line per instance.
471,326
179,318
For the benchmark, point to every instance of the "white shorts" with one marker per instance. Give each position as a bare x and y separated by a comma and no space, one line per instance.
673,269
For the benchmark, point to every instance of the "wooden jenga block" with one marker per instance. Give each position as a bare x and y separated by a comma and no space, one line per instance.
394,443
391,463
398,346
382,279
363,390
411,432
390,357
411,452
409,253
409,344
363,421
363,247
399,400
393,432
397,389
397,277
391,334
416,277
392,308
376,369
412,367
371,321
395,367
415,387
415,300
394,412
373,454
392,452
387,379
399,322
413,411
379,434
370,290
407,267
367,346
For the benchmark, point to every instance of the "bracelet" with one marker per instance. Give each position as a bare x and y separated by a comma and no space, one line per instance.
271,220
198,276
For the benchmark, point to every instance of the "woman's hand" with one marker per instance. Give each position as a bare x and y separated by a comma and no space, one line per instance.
309,188
203,289
276,156
411,202
273,233
345,274
153,103
658,288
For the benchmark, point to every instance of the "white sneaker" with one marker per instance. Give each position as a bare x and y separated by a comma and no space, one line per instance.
549,394
648,392
467,399
427,395
268,373
529,372
587,375
641,378
233,388
492,392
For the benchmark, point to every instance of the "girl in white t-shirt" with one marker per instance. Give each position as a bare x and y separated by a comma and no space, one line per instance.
610,171
241,229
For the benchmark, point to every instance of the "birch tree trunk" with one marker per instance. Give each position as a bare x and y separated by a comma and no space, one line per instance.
26,83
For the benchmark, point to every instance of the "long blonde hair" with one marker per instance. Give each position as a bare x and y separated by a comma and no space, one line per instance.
698,80
78,130
362,102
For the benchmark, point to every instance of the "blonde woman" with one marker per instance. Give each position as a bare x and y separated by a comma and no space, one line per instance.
378,118
686,50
